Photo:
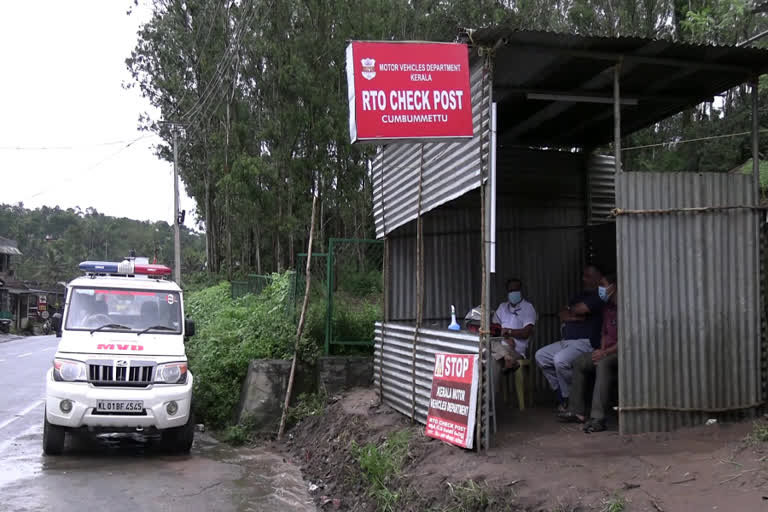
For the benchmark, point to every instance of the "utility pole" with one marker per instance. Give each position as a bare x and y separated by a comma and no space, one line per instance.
176,227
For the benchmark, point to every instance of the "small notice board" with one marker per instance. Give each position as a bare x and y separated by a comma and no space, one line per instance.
453,402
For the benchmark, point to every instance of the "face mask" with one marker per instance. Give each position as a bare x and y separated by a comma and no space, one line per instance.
514,297
602,291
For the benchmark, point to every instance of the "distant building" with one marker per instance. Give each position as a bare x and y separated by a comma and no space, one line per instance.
19,300
8,249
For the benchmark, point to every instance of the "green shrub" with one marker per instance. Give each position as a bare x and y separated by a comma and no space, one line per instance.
231,333
196,281
362,284
236,435
354,320
314,325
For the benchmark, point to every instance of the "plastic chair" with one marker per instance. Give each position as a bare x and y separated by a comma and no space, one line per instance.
524,390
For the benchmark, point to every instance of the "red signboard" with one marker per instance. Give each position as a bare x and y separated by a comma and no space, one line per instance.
408,91
453,403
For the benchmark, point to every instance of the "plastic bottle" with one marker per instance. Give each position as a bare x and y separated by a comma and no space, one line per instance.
454,324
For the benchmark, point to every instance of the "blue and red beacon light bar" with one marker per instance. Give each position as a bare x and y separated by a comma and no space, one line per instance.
124,267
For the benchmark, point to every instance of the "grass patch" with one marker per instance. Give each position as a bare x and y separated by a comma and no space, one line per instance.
381,466
307,404
615,503
471,495
759,432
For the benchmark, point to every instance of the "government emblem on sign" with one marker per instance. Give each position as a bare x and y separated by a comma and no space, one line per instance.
369,68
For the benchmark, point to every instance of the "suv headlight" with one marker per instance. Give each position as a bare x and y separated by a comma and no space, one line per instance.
68,370
171,373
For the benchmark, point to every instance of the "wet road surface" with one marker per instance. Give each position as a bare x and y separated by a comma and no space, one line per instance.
123,472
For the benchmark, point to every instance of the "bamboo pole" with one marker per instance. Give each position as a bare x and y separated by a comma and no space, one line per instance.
302,317
419,283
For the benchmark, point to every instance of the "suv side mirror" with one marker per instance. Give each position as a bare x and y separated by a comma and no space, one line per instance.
189,327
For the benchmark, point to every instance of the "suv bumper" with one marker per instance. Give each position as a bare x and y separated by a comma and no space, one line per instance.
84,397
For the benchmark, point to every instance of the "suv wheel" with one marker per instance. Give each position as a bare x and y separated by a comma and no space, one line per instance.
53,438
179,439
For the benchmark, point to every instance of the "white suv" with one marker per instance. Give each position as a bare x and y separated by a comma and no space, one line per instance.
120,365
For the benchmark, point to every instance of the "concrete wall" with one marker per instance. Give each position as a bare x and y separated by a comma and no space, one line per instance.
337,373
265,384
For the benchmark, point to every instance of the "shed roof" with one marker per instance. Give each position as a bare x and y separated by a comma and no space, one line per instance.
658,79
8,246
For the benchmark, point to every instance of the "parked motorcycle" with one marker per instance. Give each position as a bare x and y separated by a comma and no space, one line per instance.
5,325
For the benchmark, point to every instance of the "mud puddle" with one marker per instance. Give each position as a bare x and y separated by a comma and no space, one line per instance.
133,472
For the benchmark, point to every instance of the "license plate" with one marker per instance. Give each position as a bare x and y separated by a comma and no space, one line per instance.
120,406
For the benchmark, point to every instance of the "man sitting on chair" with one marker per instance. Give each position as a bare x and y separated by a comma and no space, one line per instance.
582,320
603,364
517,318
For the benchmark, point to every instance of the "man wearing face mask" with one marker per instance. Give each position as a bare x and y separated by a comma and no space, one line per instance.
603,363
517,318
582,320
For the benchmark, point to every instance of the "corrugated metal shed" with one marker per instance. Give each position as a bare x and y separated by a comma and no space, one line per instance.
664,78
689,300
450,169
690,305
8,246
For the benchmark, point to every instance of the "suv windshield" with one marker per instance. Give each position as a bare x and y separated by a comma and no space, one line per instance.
120,310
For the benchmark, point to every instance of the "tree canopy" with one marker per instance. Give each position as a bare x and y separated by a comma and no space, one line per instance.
54,241
257,90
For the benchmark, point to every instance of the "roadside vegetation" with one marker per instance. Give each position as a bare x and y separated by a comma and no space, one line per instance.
231,333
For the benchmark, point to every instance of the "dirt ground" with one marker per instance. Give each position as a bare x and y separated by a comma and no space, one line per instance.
537,464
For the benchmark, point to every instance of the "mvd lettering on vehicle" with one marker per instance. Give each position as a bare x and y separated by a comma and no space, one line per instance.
119,346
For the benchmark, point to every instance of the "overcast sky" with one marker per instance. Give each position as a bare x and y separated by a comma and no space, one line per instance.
62,66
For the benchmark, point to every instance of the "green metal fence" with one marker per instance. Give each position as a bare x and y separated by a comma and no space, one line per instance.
347,290
254,285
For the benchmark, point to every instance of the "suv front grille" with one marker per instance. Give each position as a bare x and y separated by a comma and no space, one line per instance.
120,373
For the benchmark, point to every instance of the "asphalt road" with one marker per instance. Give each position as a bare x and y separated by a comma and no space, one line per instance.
123,472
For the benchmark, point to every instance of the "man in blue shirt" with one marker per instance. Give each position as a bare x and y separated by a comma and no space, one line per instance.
582,322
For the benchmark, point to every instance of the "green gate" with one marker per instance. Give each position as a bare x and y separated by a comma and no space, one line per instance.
348,279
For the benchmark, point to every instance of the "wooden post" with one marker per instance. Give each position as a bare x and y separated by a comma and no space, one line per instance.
755,139
617,116
302,317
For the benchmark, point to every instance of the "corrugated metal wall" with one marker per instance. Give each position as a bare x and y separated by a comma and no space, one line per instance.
541,216
689,301
393,365
451,264
601,173
450,168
